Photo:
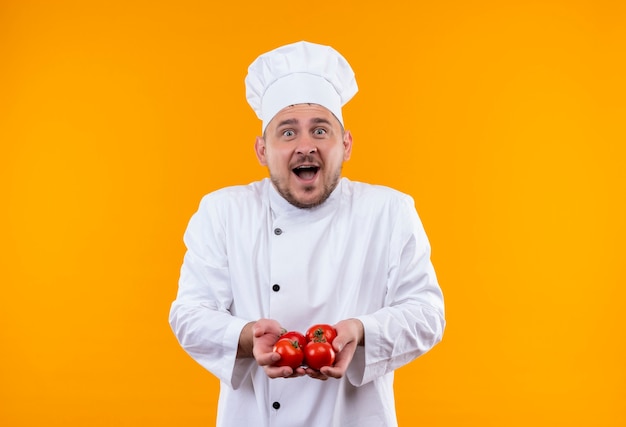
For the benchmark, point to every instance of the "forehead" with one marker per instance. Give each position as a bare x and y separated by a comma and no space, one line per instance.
303,113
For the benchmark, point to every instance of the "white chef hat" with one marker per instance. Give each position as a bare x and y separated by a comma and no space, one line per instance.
299,73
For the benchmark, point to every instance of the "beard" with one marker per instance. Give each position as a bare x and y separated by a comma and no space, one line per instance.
284,191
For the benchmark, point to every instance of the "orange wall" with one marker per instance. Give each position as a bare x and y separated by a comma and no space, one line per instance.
505,121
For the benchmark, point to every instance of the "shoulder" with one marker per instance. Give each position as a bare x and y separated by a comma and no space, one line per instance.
228,207
391,210
236,197
373,194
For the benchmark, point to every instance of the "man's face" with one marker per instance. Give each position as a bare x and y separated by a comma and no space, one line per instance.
304,148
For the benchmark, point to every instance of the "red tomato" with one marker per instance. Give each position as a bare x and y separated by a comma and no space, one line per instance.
294,336
321,333
318,354
290,353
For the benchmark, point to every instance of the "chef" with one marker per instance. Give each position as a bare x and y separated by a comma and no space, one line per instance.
302,247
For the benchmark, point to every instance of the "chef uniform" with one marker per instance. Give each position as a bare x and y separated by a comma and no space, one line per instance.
362,254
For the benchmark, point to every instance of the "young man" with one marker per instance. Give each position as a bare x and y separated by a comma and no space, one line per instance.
306,247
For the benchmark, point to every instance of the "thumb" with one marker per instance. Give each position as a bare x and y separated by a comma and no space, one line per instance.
339,344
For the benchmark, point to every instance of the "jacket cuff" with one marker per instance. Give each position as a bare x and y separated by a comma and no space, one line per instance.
363,368
235,370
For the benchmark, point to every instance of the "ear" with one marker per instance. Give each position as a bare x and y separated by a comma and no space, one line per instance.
347,145
259,148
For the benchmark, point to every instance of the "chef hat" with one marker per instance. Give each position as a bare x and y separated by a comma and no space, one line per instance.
299,73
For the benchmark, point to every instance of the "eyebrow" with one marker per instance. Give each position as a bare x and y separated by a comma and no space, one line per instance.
287,122
321,120
291,122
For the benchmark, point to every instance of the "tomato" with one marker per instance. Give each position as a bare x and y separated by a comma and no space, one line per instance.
290,353
294,336
318,354
321,333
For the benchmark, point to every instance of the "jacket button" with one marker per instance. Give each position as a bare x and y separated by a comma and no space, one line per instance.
276,405
276,288
278,231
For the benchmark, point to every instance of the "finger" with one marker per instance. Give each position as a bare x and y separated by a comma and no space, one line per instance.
338,345
265,344
267,359
266,326
332,372
258,330
315,374
278,371
300,371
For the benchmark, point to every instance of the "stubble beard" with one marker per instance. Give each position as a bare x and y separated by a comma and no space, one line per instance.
289,196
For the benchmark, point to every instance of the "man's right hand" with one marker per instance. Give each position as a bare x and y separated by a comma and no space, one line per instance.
265,333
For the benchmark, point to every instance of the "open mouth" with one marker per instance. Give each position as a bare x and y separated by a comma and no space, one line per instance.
306,172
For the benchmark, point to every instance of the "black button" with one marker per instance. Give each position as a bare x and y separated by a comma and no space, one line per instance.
275,405
278,231
276,288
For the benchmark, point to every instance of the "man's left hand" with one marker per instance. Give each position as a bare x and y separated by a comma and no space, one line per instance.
350,333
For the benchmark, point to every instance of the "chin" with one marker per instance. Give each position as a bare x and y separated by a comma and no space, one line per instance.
306,203
304,197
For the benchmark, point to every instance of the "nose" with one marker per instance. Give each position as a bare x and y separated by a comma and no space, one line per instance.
306,152
306,146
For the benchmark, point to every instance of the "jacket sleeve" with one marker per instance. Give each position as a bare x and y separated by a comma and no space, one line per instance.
200,316
412,319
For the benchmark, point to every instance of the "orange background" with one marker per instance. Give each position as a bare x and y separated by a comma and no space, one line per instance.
505,121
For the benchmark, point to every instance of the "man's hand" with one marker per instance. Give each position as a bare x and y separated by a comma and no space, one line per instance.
265,333
350,333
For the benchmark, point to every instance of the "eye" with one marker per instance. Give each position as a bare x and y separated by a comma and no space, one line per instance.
288,133
319,131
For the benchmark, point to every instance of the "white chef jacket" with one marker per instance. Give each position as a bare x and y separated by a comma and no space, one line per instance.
361,254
